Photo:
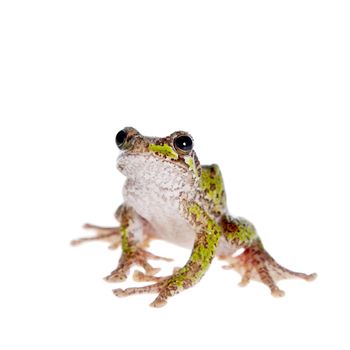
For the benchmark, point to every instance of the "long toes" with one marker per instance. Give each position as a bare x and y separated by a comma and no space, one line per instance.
277,293
79,241
158,302
153,288
150,270
101,229
89,226
139,276
114,245
116,277
285,273
244,281
119,292
157,257
234,263
311,277
75,242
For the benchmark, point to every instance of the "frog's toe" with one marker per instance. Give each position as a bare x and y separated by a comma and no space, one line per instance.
116,277
245,279
151,256
310,277
277,293
158,302
150,270
153,288
139,276
119,292
141,257
109,234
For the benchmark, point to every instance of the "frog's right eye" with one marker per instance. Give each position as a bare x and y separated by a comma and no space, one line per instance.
120,138
184,143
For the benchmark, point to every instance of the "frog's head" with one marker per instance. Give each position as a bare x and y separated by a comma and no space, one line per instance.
140,153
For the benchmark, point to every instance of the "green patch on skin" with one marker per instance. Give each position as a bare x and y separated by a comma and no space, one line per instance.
244,231
195,210
191,164
203,250
165,150
212,183
127,246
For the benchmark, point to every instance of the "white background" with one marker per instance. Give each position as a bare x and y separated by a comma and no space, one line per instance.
263,86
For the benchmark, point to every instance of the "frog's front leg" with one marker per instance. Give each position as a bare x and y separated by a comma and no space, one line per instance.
255,262
132,241
207,237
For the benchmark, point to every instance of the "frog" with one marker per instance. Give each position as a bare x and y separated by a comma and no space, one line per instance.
169,195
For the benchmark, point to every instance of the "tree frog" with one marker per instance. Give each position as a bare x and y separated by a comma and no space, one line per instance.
169,195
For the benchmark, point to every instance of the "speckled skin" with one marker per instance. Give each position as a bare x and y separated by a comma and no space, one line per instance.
168,195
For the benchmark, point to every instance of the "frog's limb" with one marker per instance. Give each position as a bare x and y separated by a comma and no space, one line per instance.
207,238
255,262
132,247
109,234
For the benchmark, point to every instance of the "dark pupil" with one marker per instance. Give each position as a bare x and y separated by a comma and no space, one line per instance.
120,138
184,143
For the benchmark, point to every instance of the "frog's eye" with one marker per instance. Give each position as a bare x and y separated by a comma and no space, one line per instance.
120,138
183,143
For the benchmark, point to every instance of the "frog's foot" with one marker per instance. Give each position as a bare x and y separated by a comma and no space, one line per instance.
109,234
255,263
138,257
164,286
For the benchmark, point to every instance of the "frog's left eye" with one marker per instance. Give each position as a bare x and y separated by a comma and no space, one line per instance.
120,138
183,143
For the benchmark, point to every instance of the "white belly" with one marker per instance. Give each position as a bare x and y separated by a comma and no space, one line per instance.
161,210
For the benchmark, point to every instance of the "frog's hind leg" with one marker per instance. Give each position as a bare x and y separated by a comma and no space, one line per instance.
255,263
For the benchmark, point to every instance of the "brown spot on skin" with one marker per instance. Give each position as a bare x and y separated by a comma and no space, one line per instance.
212,187
196,161
229,226
232,227
223,194
193,217
187,283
